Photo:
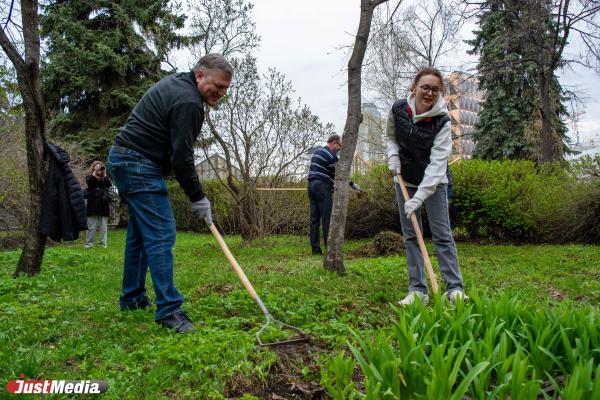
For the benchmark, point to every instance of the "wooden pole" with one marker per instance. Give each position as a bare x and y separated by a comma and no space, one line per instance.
238,270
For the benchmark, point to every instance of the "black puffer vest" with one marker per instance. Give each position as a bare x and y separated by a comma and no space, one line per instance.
415,140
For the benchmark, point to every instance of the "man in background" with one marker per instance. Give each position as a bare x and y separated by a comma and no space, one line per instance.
321,178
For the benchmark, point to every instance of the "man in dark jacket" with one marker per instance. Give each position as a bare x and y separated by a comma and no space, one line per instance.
321,178
63,208
158,137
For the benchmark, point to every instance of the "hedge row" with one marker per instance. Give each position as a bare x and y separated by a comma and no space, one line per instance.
516,201
521,201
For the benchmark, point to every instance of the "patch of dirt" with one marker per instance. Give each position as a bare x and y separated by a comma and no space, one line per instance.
270,268
220,288
348,308
548,387
231,313
555,294
286,378
581,297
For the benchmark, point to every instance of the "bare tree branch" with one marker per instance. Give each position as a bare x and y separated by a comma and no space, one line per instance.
10,50
418,36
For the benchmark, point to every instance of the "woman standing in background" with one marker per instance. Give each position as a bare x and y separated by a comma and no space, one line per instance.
98,203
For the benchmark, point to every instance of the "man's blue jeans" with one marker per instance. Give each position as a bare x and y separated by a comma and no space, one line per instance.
150,230
445,248
320,196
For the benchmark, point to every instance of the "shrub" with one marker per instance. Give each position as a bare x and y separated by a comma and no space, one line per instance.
505,200
14,195
519,201
586,166
279,212
377,210
11,240
285,212
220,202
576,215
489,200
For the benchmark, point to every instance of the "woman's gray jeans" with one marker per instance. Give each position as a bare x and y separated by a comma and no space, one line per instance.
445,248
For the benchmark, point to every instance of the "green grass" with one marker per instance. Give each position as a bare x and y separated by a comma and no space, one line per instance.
65,322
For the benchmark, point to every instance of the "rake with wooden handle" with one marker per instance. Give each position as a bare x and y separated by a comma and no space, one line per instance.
417,228
303,338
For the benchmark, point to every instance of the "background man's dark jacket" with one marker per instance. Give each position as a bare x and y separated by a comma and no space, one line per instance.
63,208
96,205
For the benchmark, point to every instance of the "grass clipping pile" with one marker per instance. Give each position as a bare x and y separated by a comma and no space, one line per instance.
386,243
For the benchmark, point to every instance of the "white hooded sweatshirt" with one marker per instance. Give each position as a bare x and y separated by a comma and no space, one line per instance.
435,173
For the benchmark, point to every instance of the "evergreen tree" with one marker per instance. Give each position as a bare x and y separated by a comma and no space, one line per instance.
509,124
102,55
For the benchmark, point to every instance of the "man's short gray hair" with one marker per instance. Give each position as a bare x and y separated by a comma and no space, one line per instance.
214,61
335,138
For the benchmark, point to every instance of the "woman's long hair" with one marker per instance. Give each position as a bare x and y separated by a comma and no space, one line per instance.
93,166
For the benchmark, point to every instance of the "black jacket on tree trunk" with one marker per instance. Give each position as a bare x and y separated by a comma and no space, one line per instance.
96,205
63,208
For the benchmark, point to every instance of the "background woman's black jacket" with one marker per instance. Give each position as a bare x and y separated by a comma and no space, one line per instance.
96,188
63,208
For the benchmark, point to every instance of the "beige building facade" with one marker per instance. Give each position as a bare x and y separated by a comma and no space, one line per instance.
370,147
464,100
214,167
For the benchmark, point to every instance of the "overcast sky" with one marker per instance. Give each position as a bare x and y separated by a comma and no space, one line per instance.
302,39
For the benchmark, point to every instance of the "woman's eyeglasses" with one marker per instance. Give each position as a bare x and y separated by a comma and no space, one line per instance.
434,90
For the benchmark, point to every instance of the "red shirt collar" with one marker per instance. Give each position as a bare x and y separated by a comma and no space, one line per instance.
410,114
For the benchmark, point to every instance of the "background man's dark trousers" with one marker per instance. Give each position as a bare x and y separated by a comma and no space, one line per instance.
320,196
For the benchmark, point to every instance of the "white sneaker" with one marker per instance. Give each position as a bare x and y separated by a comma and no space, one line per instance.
457,294
412,297
88,246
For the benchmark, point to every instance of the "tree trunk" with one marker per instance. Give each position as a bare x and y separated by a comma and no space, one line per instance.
28,75
334,257
30,261
550,151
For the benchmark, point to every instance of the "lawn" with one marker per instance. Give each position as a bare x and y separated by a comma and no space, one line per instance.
65,323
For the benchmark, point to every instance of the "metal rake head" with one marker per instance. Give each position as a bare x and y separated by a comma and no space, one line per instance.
303,338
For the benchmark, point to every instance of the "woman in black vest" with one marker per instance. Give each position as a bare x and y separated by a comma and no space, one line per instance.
419,141
98,203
